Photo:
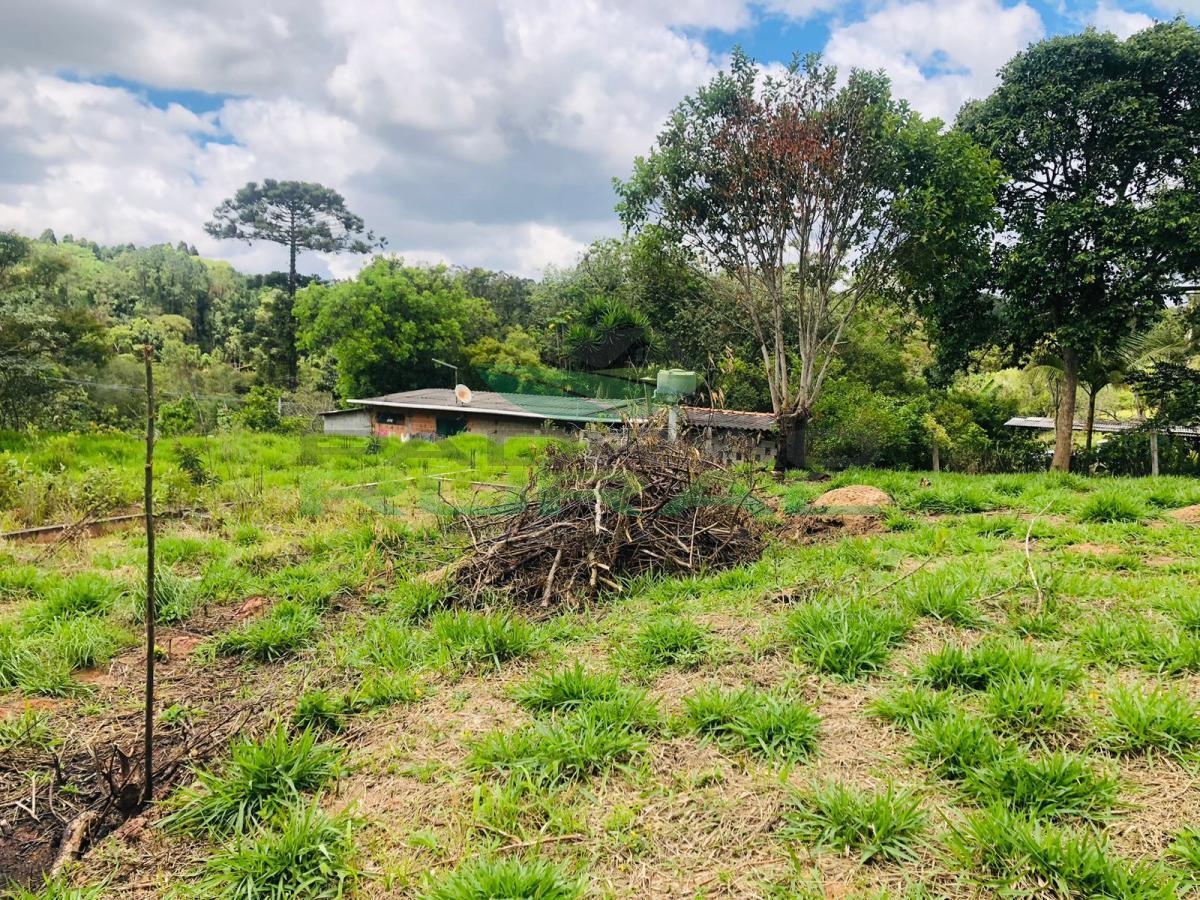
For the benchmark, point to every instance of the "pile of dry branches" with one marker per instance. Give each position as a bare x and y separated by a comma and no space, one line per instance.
621,505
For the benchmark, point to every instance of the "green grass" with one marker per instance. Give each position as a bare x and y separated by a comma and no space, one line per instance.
302,852
287,629
55,889
1027,857
765,724
260,779
489,638
382,689
593,740
1027,707
956,745
175,597
1057,786
885,825
975,668
573,688
669,642
1186,848
945,596
511,879
845,639
1158,720
1111,506
910,706
30,730
319,711
87,594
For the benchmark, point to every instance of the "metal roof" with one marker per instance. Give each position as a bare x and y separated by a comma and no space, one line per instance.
1044,423
560,409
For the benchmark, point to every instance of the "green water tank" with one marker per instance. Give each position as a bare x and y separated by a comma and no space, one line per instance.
676,382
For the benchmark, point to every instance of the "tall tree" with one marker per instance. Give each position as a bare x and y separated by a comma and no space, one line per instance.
810,196
300,215
384,328
1100,141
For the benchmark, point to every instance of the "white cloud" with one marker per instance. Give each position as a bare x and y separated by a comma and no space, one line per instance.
939,53
1121,22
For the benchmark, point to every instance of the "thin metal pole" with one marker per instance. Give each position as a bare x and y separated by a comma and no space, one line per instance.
151,612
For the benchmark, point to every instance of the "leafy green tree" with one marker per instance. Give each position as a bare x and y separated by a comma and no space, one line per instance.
810,194
1100,142
300,215
384,328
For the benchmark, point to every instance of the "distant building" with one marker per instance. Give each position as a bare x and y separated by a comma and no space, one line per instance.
433,413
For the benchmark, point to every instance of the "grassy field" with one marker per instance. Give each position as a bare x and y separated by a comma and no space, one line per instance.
994,687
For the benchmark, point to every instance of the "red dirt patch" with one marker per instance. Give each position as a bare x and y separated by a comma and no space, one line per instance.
809,529
251,606
1188,515
861,499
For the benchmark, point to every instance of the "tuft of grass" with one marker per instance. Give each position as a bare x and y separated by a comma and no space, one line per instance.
303,852
1186,848
1183,610
956,499
319,711
574,688
82,642
474,638
174,599
87,594
55,889
1057,786
514,878
29,730
977,667
885,825
667,643
289,627
380,689
910,706
593,740
845,639
415,601
1147,721
764,723
259,779
1111,506
1029,857
945,598
953,746
1028,706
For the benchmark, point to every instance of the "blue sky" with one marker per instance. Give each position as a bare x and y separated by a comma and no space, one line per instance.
476,132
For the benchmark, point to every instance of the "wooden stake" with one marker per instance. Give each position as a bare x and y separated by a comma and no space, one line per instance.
151,612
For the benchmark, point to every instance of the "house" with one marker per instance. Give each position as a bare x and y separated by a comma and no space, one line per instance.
433,413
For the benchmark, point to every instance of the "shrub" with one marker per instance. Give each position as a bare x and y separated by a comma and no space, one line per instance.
260,779
766,724
303,852
517,879
844,639
885,825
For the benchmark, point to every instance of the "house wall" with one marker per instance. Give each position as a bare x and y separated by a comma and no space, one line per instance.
406,424
350,421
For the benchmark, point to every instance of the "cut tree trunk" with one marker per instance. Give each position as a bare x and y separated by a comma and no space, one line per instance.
1154,453
937,458
1064,420
793,443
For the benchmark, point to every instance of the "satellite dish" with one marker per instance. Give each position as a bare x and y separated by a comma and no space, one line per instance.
462,394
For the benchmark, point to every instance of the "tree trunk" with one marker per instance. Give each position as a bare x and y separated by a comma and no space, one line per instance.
290,337
1064,421
793,443
937,457
1091,421
1154,453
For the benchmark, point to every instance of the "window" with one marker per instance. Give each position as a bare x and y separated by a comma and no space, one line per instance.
448,426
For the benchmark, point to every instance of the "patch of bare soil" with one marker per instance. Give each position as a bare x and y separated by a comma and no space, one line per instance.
808,529
1188,515
1090,549
860,499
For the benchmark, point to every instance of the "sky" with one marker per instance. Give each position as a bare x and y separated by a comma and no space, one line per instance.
470,132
